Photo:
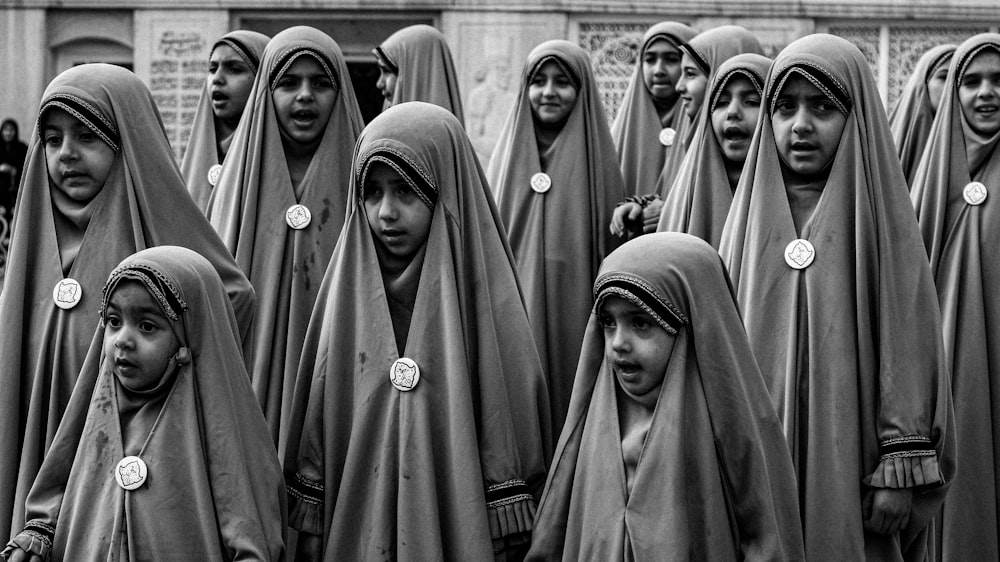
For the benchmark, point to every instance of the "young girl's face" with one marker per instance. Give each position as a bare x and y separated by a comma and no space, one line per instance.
79,162
552,94
303,101
230,80
635,346
661,67
138,338
386,83
807,127
397,216
979,93
735,117
935,86
692,85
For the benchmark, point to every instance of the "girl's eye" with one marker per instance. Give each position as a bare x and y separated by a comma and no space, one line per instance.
147,326
88,137
753,101
606,321
212,68
113,322
640,323
372,192
723,101
53,140
285,82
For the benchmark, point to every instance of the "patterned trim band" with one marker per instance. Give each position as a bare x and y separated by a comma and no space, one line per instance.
241,50
305,490
905,443
562,66
673,40
729,76
161,288
421,183
642,294
511,491
697,58
291,55
967,60
381,55
819,78
87,114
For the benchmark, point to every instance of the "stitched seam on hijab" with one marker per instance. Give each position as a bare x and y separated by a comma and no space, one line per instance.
306,490
87,114
967,60
908,454
381,54
148,276
672,39
642,294
562,66
40,526
729,76
801,71
291,55
423,186
507,501
697,58
242,51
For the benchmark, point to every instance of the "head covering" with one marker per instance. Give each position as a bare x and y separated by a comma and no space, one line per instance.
699,201
849,346
447,468
253,197
11,153
714,481
636,130
961,239
421,59
213,489
708,50
559,237
202,150
144,203
913,115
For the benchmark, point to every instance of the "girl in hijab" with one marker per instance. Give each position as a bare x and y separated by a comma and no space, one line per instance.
415,65
671,450
556,179
163,453
232,67
830,271
701,58
100,182
954,199
12,155
913,115
651,114
422,422
282,198
703,192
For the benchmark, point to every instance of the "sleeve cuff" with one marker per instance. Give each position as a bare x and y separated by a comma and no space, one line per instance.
36,538
305,504
510,509
906,462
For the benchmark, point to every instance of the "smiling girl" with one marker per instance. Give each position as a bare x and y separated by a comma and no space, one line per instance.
282,198
556,180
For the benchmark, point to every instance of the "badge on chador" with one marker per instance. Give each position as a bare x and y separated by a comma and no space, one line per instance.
404,374
541,182
667,136
975,193
298,216
799,253
130,473
213,174
67,293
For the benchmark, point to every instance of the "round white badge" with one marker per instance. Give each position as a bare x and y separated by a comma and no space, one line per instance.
298,216
404,374
799,253
130,473
67,293
541,182
667,136
213,174
975,193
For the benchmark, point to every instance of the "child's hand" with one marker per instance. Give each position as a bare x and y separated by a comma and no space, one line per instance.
19,555
887,510
651,215
623,215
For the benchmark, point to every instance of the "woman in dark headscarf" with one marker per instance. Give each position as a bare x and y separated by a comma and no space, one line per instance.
839,305
954,193
913,115
671,450
282,198
415,65
12,155
422,425
232,67
100,183
556,179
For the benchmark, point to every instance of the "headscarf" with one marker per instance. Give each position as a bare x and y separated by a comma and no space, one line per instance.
636,130
144,203
202,152
714,481
12,153
913,115
708,49
558,237
850,346
213,490
961,239
421,59
447,469
250,204
699,201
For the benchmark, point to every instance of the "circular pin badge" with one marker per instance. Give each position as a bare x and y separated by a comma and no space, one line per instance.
404,374
975,193
541,182
667,136
130,473
213,174
799,253
298,216
67,293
